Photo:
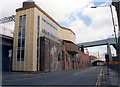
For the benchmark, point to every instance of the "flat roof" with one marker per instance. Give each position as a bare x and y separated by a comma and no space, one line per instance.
5,36
67,29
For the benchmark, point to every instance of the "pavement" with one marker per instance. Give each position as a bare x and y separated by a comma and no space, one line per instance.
110,77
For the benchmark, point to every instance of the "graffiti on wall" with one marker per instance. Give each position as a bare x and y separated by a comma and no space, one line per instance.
55,58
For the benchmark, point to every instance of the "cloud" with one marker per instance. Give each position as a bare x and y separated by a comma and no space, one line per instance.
61,9
89,24
99,49
9,7
100,26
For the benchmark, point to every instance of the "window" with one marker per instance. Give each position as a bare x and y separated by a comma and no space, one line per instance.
23,42
38,42
22,55
18,43
18,55
38,30
21,38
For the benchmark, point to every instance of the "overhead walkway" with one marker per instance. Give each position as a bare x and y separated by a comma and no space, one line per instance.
110,41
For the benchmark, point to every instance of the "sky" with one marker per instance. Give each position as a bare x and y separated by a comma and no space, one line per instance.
89,24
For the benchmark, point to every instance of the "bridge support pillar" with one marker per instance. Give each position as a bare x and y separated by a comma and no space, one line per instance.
109,52
82,48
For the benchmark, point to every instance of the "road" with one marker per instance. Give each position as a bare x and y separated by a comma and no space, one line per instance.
87,76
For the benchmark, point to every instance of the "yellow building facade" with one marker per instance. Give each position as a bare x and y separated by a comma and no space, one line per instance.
31,24
68,34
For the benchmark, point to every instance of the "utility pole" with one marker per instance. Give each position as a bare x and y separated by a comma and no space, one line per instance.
116,4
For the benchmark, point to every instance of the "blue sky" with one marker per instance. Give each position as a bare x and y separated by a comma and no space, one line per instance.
86,19
100,2
89,24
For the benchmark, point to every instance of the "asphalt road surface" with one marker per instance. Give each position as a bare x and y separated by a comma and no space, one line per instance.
87,76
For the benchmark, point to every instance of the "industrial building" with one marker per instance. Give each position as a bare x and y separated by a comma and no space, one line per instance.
6,44
41,44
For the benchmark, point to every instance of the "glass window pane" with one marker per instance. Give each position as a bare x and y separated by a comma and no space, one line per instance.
18,55
23,32
23,42
19,32
19,42
38,25
38,39
20,21
22,55
21,37
37,42
24,20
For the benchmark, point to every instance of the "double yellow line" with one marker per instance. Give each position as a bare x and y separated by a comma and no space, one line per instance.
98,82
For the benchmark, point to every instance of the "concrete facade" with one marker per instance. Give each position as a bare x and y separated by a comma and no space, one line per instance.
38,42
30,43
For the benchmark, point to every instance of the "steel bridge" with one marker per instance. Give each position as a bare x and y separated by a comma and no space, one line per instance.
111,41
108,42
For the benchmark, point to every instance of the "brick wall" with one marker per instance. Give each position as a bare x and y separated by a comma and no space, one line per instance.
74,58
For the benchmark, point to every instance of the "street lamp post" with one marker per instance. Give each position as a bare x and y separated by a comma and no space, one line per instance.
116,4
113,25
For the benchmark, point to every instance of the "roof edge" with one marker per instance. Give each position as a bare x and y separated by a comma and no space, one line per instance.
20,9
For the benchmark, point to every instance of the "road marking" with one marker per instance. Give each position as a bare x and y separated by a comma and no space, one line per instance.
83,71
79,72
76,73
99,78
